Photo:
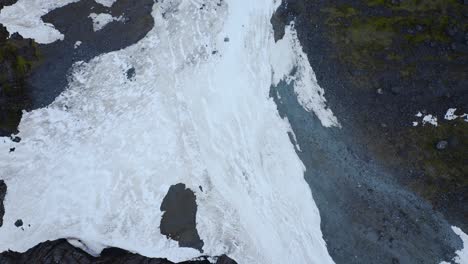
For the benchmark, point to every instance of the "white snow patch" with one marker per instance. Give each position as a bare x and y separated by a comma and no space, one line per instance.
462,254
450,115
102,19
24,17
429,119
77,44
426,119
96,163
288,56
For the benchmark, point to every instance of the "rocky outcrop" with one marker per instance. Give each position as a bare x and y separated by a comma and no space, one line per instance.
3,190
17,58
62,252
178,221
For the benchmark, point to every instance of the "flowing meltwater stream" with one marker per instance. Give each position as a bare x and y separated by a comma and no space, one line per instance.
96,164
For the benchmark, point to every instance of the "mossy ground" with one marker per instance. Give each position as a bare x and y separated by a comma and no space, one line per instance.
17,58
408,45
368,29
443,171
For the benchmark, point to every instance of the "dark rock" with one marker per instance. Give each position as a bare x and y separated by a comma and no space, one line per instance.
452,30
3,191
179,219
459,47
3,33
62,252
6,3
226,39
16,36
19,223
131,73
18,55
397,90
453,142
223,259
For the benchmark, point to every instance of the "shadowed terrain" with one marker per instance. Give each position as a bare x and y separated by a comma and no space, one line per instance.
60,251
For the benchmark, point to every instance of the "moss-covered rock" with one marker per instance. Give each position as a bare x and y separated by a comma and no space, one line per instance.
18,56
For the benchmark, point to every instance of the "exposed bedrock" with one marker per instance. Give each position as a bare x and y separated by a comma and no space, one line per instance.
178,221
62,252
18,56
3,190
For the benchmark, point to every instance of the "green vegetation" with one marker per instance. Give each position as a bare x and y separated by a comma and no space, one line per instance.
444,169
17,59
375,38
364,40
22,66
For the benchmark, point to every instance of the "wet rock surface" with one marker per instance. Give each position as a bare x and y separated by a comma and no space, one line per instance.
62,252
385,192
178,221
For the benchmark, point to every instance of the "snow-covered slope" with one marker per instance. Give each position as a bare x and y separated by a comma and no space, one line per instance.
96,164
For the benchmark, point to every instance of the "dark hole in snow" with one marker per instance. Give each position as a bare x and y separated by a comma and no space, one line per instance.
19,223
131,73
3,190
179,219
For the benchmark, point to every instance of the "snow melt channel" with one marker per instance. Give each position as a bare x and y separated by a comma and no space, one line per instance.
96,163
